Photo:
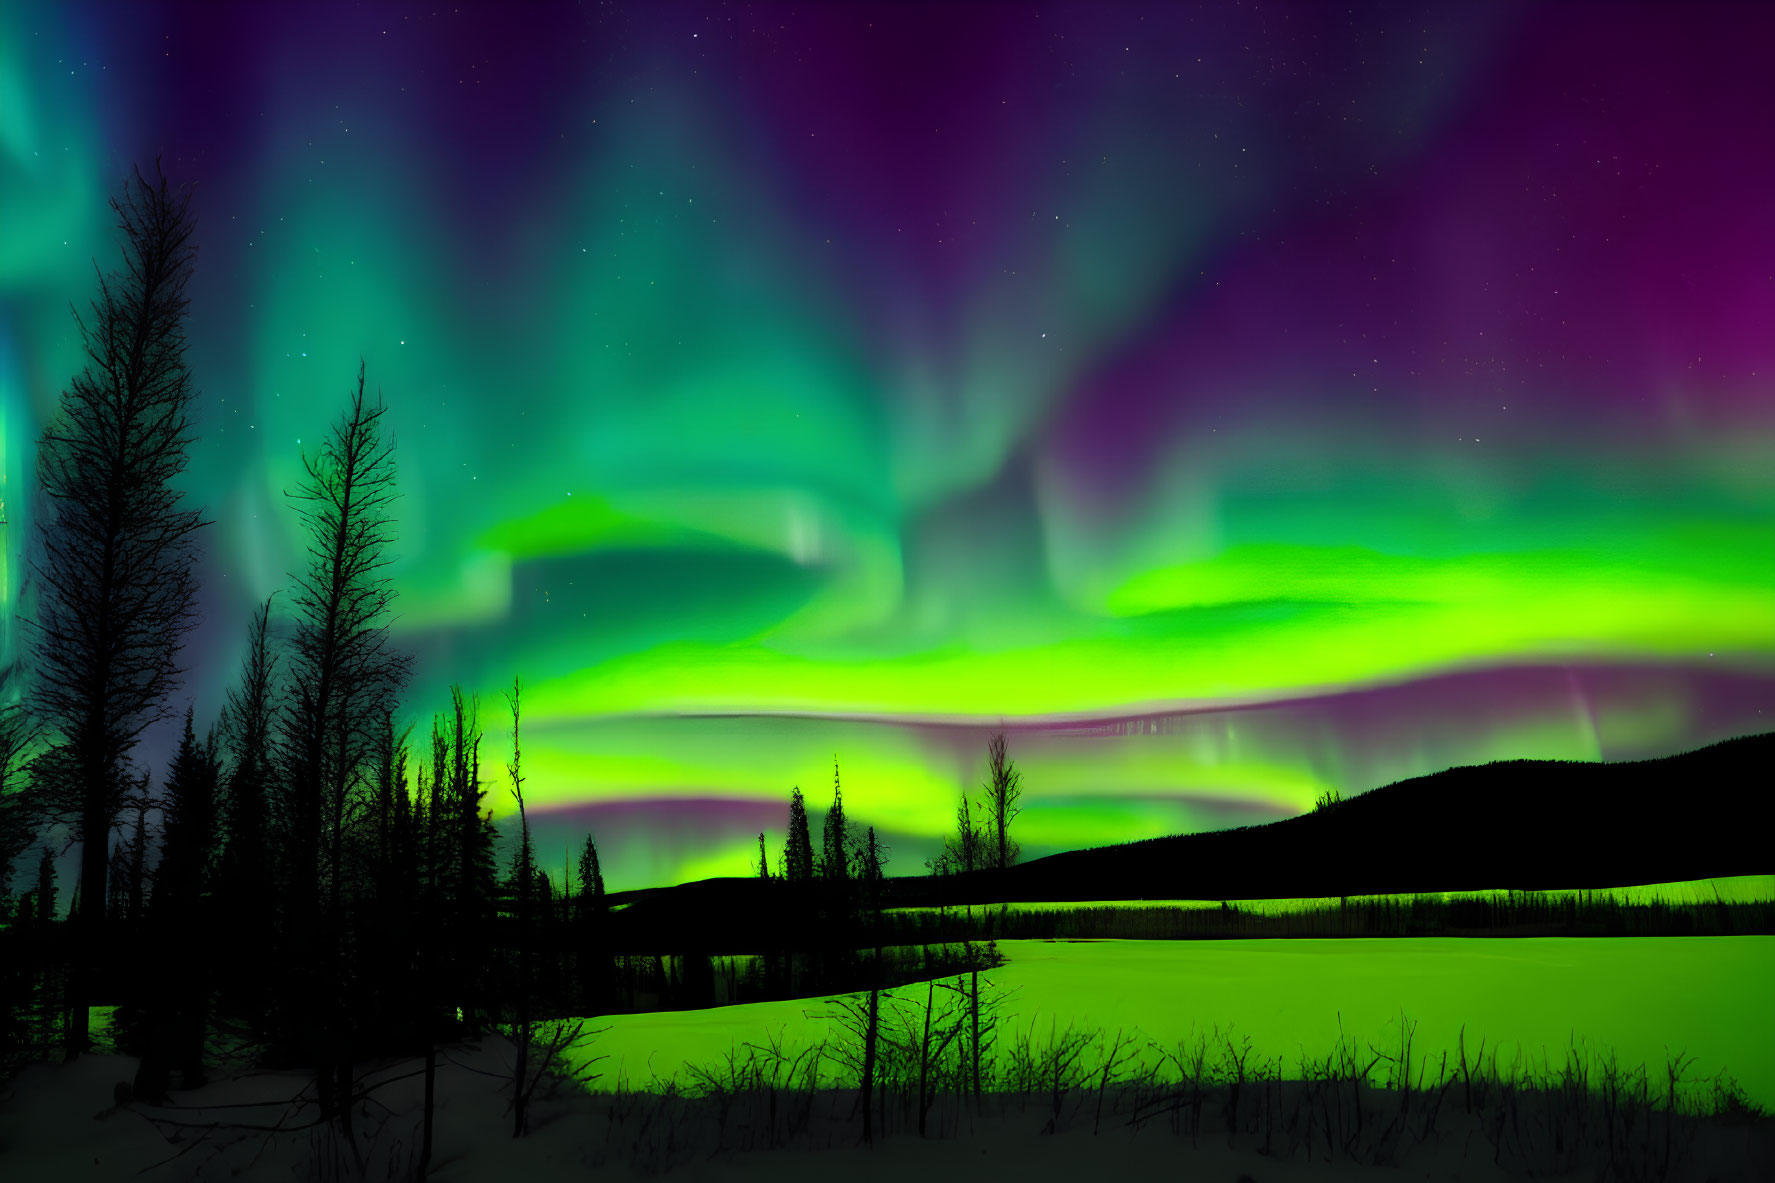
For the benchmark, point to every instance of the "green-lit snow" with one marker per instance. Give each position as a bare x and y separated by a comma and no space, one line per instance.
1641,998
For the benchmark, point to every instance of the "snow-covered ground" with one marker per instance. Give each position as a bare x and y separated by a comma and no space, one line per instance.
59,1123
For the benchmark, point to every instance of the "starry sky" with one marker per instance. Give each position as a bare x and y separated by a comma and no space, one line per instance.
1230,401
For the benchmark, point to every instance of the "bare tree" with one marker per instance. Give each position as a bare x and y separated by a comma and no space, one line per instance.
964,850
344,676
524,872
1003,789
116,562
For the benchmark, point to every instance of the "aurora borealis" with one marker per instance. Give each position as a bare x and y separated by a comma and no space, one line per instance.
1233,400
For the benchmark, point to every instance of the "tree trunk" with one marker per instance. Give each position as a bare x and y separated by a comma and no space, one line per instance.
974,1016
869,1064
924,1055
88,921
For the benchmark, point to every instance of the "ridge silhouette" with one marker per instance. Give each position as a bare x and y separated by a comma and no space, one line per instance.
1521,825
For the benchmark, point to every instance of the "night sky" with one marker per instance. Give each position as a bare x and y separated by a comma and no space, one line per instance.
1233,400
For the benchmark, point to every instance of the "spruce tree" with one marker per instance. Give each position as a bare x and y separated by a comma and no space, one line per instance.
116,560
248,717
593,957
392,940
136,885
344,676
874,855
44,900
835,860
591,881
176,990
798,851
117,885
188,839
16,742
472,860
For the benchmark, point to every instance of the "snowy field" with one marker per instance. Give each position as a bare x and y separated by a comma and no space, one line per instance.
58,1125
1638,997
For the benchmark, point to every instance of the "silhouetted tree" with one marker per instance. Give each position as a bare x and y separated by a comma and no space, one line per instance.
44,898
869,873
188,840
115,563
1003,789
344,675
175,989
436,830
431,851
964,850
524,874
835,860
16,835
392,932
591,880
798,851
117,885
874,858
763,859
16,740
390,820
244,879
135,893
592,954
470,860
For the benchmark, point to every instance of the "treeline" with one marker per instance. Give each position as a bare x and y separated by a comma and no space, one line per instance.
1503,914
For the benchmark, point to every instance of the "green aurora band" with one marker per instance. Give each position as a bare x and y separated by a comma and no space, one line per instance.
734,483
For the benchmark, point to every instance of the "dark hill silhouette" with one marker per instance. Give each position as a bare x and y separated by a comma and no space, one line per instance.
1516,824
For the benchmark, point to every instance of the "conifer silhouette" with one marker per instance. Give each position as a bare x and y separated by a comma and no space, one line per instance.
835,860
798,851
591,880
344,675
115,563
